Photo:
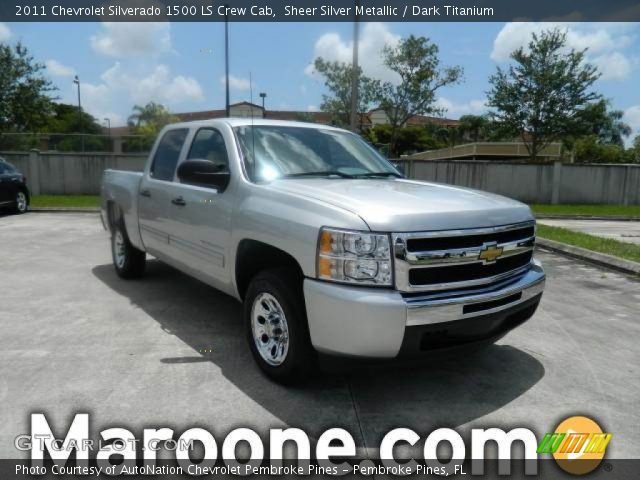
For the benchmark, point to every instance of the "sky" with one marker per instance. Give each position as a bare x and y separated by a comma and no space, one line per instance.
181,65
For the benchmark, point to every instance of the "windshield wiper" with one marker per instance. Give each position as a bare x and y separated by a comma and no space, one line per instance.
327,173
379,174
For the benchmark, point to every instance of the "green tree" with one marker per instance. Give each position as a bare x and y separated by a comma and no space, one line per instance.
416,63
411,139
473,127
152,114
25,93
606,124
338,79
65,120
590,150
634,151
541,95
146,121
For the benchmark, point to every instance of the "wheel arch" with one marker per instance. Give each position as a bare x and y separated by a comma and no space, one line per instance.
25,190
114,214
254,256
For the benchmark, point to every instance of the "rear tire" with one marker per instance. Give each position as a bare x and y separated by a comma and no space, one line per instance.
21,202
128,261
276,325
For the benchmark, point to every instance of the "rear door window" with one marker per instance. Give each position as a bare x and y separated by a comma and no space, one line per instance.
167,154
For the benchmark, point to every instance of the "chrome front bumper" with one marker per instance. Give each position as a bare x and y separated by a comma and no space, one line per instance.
430,309
370,322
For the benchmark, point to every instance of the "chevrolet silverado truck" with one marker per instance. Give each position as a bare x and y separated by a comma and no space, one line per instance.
327,245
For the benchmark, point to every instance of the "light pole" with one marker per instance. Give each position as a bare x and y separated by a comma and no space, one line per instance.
76,80
354,73
226,62
109,144
263,95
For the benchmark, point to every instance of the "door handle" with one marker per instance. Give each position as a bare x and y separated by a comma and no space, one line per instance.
145,193
179,201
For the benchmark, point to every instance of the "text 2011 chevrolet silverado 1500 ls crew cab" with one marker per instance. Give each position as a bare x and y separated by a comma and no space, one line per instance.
329,248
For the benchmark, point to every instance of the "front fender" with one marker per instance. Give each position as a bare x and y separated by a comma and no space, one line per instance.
287,222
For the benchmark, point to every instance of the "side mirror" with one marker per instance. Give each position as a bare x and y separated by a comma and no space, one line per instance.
204,173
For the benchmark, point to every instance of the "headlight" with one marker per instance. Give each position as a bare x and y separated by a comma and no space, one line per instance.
354,257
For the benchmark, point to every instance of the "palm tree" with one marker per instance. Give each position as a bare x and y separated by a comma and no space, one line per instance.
150,114
605,124
615,130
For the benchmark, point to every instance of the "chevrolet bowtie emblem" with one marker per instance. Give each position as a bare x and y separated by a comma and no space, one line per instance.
490,253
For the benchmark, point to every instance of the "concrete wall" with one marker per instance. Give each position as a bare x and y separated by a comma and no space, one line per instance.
544,183
70,173
74,174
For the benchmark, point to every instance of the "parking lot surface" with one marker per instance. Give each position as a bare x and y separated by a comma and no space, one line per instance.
168,350
623,231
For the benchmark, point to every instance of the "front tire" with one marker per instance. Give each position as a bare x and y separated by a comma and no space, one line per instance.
128,261
276,325
22,202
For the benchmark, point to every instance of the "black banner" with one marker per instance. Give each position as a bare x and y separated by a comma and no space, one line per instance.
608,469
318,10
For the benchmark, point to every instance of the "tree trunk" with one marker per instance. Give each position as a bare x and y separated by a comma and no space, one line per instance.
534,149
393,141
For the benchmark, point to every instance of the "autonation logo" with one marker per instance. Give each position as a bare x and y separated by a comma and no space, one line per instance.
578,445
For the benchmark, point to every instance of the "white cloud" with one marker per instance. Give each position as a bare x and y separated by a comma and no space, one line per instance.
518,34
632,117
236,83
613,66
5,33
140,87
57,69
373,37
157,85
457,109
605,43
128,39
98,100
312,108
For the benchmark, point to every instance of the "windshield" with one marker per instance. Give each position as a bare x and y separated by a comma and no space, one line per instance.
272,152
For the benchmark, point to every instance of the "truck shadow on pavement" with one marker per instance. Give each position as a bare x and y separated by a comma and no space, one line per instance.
370,397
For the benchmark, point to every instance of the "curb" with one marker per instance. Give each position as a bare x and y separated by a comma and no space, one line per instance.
63,210
602,259
588,217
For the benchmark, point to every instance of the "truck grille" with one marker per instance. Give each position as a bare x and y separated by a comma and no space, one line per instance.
448,260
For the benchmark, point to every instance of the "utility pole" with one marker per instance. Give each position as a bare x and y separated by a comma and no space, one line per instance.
226,62
354,73
109,144
76,80
263,95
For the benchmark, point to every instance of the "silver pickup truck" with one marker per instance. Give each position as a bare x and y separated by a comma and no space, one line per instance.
327,245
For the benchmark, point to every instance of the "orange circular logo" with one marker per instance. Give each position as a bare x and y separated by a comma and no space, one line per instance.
581,445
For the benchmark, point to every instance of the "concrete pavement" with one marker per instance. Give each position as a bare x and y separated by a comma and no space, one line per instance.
623,231
167,350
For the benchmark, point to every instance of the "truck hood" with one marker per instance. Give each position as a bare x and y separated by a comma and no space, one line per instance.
401,205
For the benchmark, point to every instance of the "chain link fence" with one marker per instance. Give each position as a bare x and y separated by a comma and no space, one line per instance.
75,142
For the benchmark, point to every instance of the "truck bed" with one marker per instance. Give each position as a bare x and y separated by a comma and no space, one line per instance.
121,188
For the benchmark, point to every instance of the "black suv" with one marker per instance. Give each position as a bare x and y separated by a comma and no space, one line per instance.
13,188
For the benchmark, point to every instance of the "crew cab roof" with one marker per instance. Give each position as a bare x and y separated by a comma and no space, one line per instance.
243,122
